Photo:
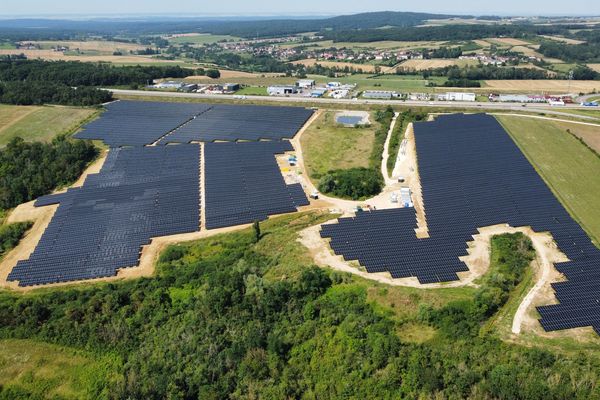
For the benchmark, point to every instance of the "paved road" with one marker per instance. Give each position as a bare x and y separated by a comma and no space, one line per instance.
545,108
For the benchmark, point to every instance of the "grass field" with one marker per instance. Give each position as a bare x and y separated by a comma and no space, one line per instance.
200,38
567,166
252,91
39,123
589,134
327,146
44,371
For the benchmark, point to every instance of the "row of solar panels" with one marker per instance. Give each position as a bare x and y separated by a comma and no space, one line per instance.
244,184
131,123
473,175
146,192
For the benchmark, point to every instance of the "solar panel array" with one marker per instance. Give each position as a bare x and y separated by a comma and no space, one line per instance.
235,122
133,123
473,175
99,228
138,123
244,184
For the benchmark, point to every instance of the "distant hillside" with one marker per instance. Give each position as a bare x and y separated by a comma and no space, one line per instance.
344,22
38,28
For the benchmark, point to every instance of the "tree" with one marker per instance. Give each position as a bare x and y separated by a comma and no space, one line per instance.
256,227
213,73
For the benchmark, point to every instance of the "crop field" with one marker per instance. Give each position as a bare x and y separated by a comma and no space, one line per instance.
379,45
357,66
595,67
227,74
420,65
567,166
199,38
507,41
39,123
91,45
57,55
327,145
552,86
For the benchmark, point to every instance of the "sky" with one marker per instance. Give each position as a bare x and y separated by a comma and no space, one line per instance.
297,7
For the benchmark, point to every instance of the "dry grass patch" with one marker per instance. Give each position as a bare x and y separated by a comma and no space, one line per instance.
507,41
588,133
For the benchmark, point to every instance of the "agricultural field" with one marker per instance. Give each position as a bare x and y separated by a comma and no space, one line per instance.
595,67
199,38
569,168
549,85
103,46
34,123
420,65
507,42
378,45
327,145
47,371
357,66
127,59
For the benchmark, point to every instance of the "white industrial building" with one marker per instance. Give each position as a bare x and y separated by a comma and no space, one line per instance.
379,94
281,90
457,96
305,83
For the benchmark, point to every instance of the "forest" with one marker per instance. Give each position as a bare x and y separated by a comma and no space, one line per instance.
27,93
29,170
73,73
233,317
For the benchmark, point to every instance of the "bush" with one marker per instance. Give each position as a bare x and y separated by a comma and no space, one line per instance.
11,234
354,183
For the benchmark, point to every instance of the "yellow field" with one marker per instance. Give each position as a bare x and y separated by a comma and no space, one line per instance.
312,61
57,55
228,74
507,41
91,45
420,65
380,45
552,86
595,67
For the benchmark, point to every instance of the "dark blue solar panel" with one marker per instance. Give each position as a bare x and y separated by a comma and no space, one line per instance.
140,193
244,184
136,123
473,175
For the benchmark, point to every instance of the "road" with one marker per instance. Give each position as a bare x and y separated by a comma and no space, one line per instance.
545,108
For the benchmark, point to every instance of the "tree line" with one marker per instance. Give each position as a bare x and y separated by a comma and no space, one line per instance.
29,170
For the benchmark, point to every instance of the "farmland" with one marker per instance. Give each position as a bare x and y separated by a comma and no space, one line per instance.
419,65
39,123
328,146
552,86
356,66
566,165
199,39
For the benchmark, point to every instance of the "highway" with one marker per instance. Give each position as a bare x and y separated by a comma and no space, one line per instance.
544,108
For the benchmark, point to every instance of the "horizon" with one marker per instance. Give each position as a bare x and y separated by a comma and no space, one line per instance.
271,8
